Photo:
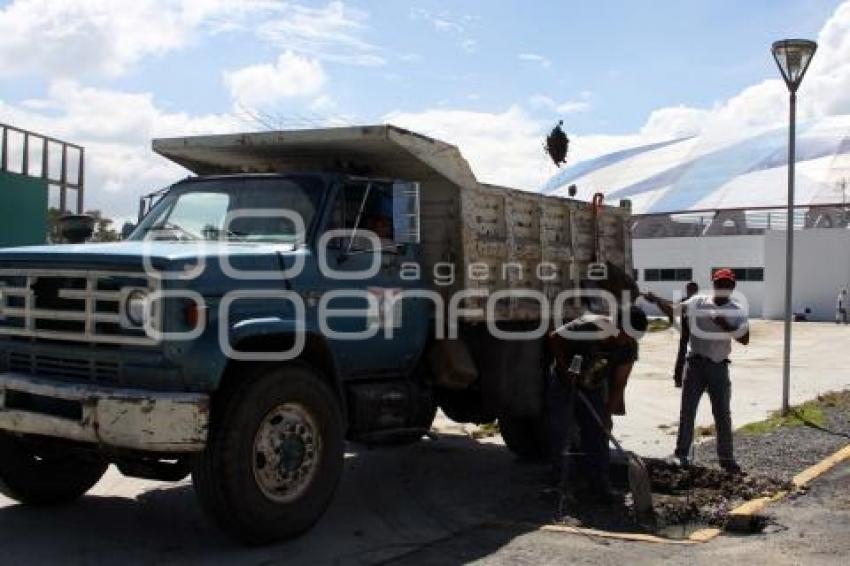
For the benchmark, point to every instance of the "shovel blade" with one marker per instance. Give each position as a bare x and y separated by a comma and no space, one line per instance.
641,487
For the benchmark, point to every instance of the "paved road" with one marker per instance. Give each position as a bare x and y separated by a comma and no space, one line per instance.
394,501
449,501
390,501
811,529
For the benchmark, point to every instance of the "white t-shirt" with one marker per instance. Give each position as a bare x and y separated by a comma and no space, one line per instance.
839,304
707,338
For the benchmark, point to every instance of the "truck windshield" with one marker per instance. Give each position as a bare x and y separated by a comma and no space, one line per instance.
259,209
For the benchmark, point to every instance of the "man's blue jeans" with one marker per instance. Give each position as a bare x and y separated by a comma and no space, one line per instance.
702,374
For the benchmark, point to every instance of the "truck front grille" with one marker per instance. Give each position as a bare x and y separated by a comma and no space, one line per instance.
70,305
77,369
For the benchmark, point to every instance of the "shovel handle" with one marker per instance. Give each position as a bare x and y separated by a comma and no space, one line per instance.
598,419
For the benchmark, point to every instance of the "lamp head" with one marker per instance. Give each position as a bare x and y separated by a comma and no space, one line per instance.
793,57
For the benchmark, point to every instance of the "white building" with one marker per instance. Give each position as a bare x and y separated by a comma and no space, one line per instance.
716,200
821,267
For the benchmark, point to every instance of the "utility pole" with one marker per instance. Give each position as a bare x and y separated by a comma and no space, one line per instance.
842,186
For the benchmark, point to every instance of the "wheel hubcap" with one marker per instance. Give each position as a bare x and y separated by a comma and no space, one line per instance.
286,452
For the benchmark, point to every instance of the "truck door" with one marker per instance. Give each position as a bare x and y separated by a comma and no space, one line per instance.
380,221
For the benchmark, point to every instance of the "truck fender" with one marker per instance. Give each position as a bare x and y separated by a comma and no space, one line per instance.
277,331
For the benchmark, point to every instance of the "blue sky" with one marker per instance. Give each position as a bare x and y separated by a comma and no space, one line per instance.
603,66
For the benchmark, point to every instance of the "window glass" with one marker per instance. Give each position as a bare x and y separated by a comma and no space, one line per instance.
197,213
668,274
684,274
363,206
198,210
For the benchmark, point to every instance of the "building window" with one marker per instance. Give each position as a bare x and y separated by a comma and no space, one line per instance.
668,274
745,273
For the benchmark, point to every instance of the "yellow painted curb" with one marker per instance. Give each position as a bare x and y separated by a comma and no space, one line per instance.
704,535
806,476
754,506
802,479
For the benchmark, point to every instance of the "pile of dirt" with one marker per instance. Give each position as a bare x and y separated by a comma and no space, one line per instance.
702,495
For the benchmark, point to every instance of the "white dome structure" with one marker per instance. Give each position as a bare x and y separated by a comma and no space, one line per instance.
719,170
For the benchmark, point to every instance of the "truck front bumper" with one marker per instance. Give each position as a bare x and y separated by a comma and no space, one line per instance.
122,418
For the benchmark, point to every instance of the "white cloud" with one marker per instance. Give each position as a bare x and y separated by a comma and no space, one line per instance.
535,58
825,91
469,45
265,84
116,129
502,147
454,25
543,102
675,122
323,103
442,21
70,37
331,33
64,38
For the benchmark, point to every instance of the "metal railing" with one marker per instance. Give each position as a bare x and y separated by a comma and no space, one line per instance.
738,221
16,147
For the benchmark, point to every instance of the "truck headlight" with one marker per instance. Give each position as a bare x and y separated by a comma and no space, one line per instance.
136,307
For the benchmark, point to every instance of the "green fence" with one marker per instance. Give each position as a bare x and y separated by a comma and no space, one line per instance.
23,210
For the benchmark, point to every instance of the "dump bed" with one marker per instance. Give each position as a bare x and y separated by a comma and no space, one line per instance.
487,236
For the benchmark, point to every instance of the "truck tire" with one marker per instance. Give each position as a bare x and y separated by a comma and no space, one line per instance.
525,437
39,475
274,457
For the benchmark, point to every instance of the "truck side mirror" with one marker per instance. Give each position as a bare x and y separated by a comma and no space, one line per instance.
406,213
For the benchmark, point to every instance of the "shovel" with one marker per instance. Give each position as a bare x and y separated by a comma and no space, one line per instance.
639,482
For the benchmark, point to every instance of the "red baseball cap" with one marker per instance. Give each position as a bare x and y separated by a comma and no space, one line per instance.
724,273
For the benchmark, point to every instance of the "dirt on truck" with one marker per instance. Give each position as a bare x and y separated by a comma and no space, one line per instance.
301,289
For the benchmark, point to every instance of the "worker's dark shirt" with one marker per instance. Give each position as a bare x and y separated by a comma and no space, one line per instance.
600,357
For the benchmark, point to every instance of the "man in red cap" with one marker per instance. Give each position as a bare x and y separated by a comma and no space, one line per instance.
714,321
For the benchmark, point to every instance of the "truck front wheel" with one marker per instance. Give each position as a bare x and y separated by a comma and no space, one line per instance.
274,456
37,474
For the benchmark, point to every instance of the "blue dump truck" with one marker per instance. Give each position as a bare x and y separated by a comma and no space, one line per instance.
302,289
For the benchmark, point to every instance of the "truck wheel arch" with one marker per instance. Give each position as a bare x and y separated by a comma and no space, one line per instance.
316,354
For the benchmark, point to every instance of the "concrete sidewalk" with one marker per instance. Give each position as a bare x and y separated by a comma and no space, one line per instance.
820,362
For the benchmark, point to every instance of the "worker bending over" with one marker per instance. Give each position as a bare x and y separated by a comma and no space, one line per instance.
714,320
595,354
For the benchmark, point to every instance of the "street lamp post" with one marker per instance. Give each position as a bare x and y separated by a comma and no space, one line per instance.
792,57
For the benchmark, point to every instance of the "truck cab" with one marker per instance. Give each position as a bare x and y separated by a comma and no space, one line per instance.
291,296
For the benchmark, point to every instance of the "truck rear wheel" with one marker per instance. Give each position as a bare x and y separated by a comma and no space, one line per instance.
274,457
45,475
524,436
